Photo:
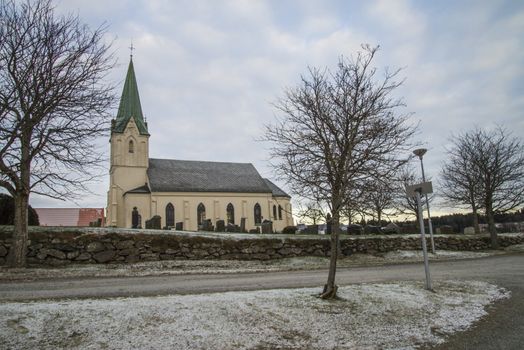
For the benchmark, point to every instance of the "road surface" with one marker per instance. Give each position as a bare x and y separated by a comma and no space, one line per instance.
502,329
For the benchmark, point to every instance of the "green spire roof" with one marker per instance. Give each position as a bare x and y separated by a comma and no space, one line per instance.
130,105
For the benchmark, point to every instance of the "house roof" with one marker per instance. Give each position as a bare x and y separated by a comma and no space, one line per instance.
130,105
69,216
171,175
277,191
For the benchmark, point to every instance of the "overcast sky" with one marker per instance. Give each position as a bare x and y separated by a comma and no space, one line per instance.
208,71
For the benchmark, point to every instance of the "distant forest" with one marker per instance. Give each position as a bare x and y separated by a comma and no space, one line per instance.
459,221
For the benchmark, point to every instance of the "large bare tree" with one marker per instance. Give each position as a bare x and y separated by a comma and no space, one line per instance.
336,130
53,104
460,180
496,160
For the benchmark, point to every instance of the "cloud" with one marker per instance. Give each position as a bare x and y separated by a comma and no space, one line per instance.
208,70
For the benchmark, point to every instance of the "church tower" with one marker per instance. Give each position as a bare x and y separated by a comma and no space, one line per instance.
129,152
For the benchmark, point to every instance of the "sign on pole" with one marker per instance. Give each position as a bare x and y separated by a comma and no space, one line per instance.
416,191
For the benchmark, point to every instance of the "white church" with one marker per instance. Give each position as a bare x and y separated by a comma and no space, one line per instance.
184,193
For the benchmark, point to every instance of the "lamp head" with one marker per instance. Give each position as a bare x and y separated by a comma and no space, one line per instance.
420,152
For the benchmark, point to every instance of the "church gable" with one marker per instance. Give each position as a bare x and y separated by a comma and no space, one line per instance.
170,175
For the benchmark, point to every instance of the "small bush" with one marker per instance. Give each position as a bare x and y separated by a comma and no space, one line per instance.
7,212
289,230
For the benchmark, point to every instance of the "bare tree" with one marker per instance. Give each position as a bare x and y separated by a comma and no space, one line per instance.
337,130
312,211
379,197
460,181
497,161
404,204
53,103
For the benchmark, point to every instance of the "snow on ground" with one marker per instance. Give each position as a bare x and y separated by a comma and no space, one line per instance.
368,316
515,248
178,267
439,255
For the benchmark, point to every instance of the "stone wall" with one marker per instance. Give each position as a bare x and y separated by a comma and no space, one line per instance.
60,246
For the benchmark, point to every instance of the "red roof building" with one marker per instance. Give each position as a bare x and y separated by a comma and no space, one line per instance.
70,216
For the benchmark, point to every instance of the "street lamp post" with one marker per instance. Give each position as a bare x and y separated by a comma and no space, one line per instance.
420,153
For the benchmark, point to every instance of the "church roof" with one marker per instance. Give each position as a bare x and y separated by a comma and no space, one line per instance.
277,191
141,189
130,105
170,175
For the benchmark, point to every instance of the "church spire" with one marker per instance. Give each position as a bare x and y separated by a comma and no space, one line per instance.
130,105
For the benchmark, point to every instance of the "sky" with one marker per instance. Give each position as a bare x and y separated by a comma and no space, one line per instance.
210,71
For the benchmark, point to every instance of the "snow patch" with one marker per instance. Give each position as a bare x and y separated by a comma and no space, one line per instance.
386,316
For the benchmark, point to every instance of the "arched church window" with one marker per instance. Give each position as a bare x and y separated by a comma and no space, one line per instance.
258,214
230,211
274,212
279,212
201,214
170,215
131,146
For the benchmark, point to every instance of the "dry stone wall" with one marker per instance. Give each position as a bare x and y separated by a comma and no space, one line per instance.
61,246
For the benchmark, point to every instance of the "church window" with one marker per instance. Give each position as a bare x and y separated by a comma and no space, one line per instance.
230,210
131,146
274,212
258,214
201,214
170,215
279,212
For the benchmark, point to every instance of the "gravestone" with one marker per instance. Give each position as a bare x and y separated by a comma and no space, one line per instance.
154,223
470,230
221,226
267,226
207,226
311,230
354,229
243,225
179,226
232,228
134,218
329,224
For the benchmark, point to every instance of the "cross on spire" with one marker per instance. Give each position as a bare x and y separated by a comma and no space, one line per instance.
131,48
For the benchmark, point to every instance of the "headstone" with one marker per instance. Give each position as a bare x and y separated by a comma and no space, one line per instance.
134,218
391,228
470,230
243,225
354,229
311,230
255,230
154,223
179,226
232,228
370,229
267,226
207,226
221,226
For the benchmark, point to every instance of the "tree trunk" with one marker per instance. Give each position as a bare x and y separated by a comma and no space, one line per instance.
476,220
330,289
18,250
491,226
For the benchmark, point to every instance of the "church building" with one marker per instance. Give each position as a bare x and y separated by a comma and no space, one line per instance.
184,193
